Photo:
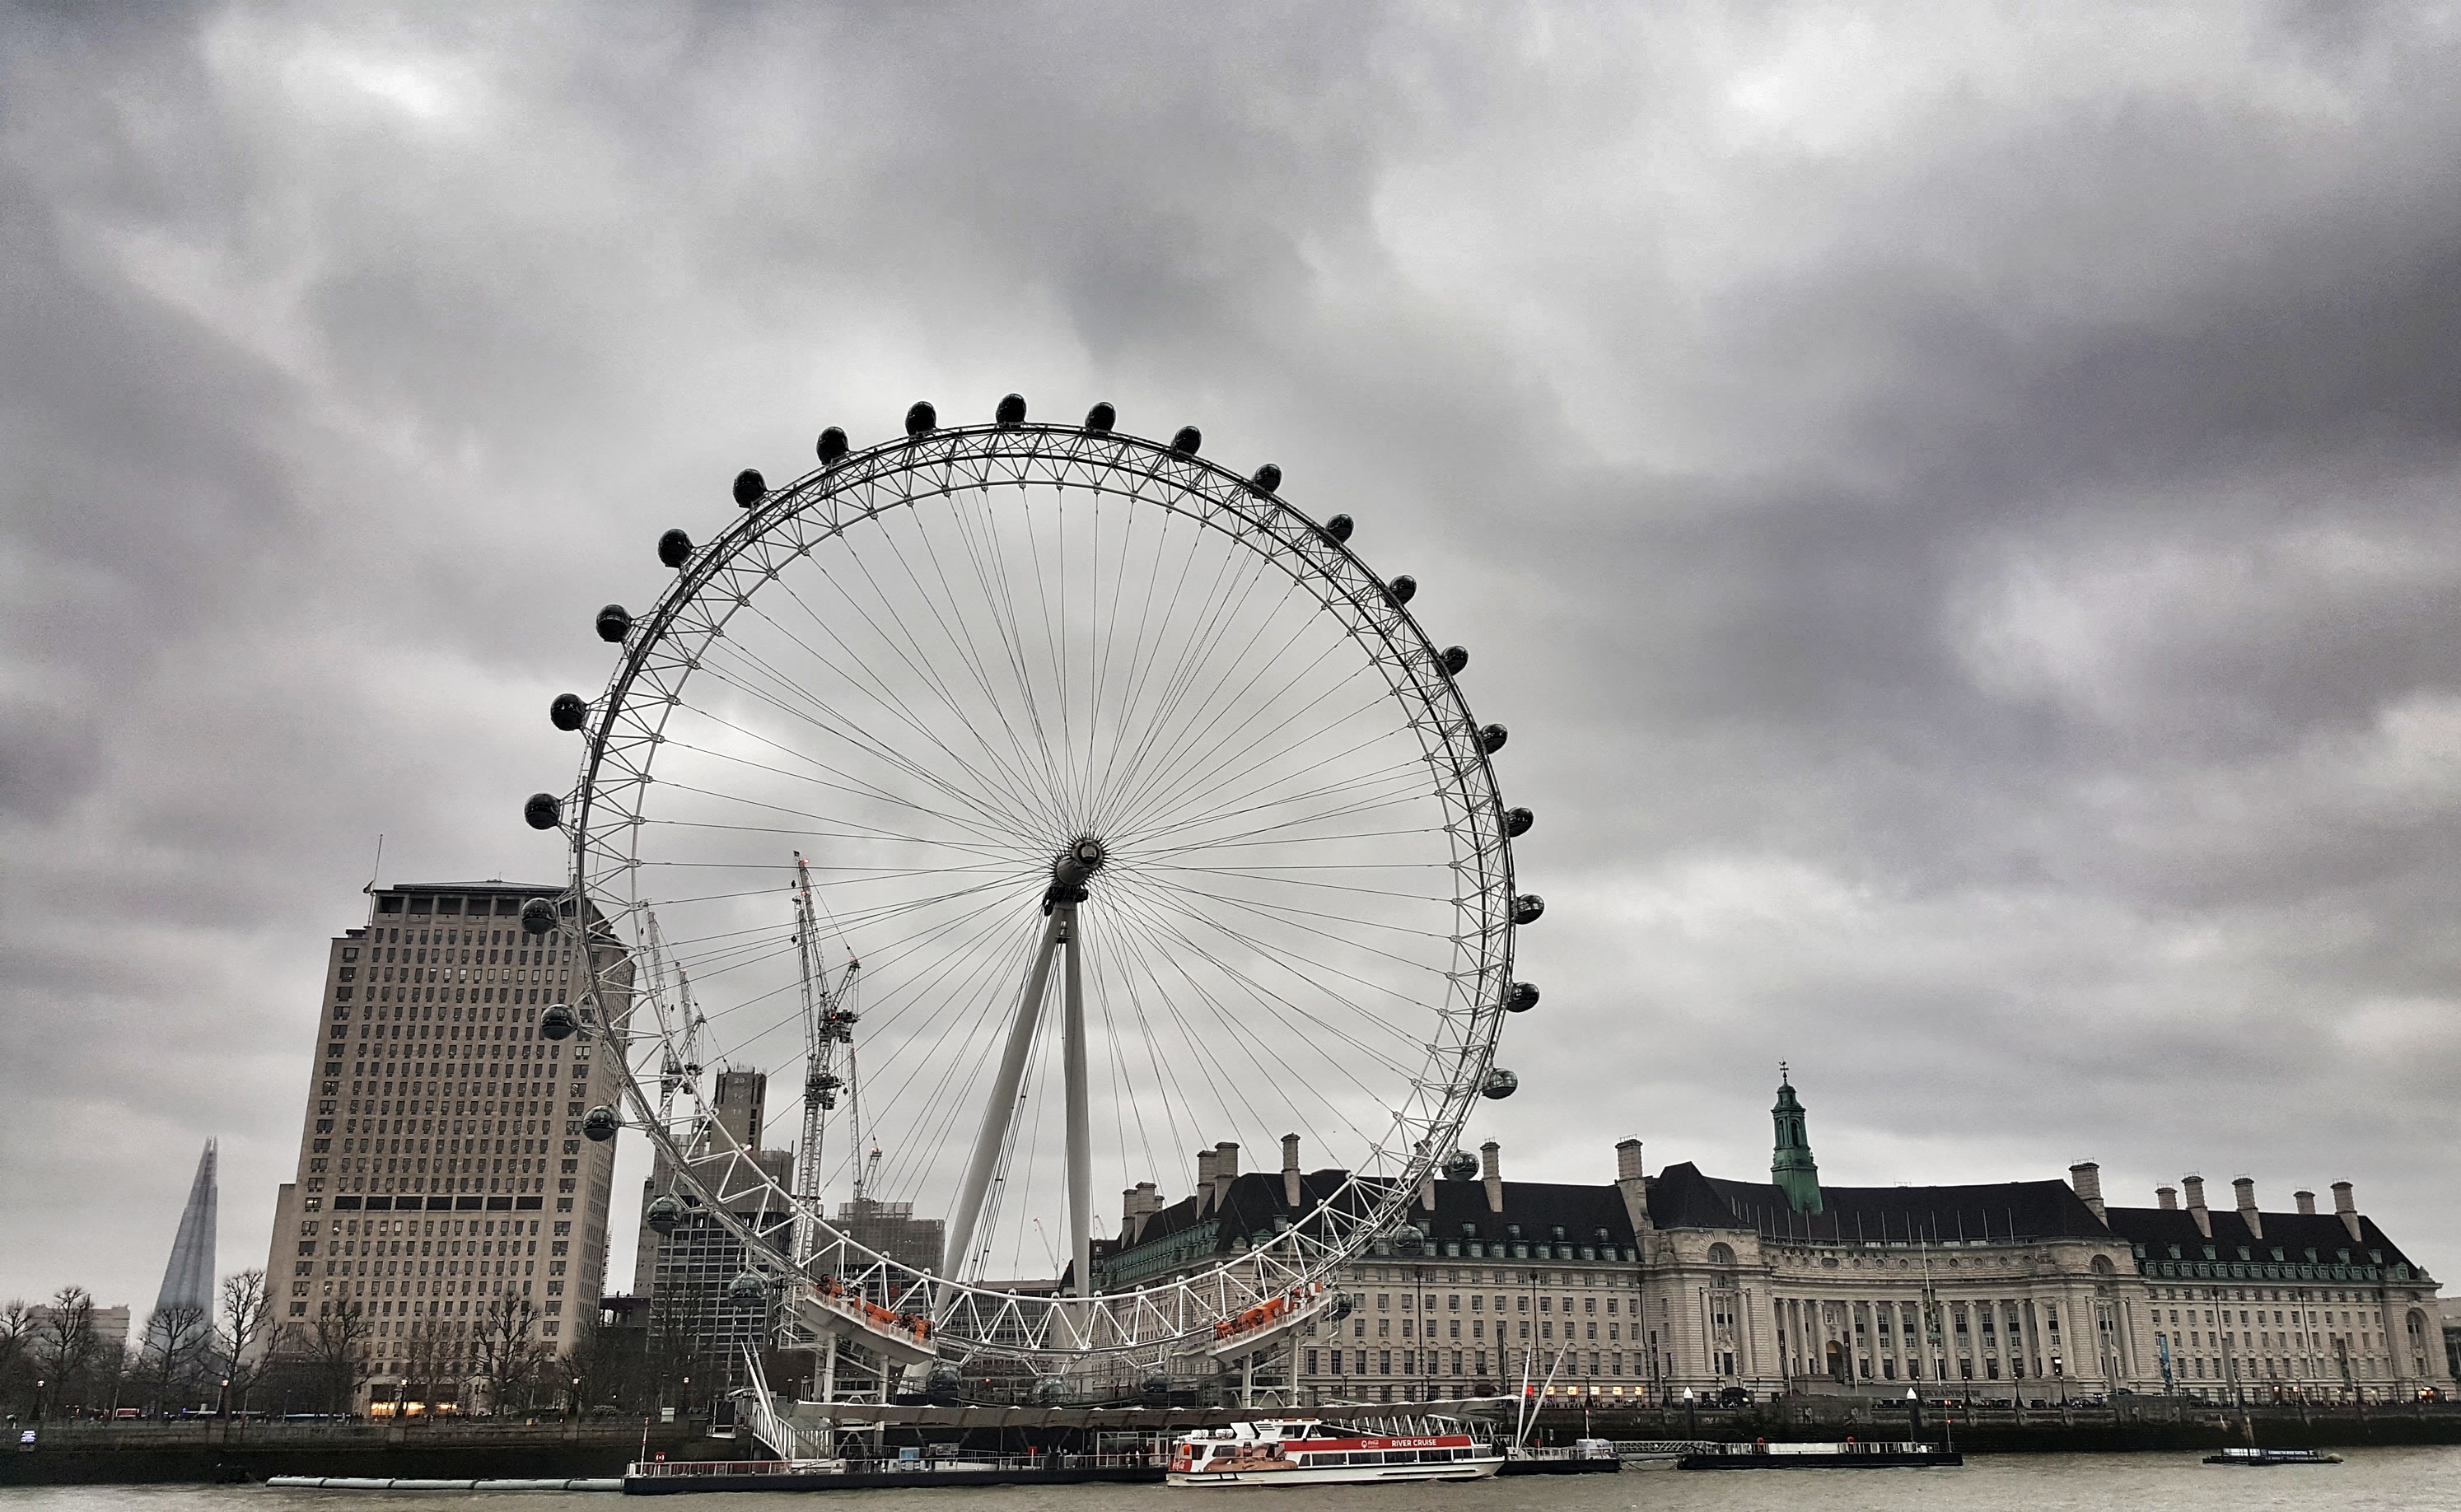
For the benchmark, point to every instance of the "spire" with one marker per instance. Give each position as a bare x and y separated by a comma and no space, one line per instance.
1792,1167
188,1280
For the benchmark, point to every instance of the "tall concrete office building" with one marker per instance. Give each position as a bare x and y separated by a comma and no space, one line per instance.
443,1184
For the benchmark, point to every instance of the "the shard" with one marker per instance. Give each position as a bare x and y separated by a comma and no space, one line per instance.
188,1280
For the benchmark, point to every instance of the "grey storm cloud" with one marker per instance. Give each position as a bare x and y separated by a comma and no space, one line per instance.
1955,504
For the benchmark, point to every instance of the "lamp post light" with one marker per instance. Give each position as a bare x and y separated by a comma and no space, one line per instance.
38,1399
225,1397
1691,1415
1914,1413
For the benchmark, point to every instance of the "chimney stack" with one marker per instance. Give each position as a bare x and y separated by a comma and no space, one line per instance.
1131,1209
2245,1187
2166,1198
2087,1178
1208,1192
1632,1179
2195,1186
2306,1202
1225,1170
2346,1207
1290,1170
1491,1160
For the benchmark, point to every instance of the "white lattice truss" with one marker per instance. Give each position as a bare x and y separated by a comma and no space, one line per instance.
1168,1318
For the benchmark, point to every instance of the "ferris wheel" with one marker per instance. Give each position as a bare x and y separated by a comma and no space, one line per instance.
1150,822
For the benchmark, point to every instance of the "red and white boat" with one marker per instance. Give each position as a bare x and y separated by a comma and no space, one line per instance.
1304,1451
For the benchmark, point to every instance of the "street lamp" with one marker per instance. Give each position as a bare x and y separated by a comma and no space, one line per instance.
1691,1415
225,1397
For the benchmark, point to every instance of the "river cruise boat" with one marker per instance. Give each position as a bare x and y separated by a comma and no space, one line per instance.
1305,1450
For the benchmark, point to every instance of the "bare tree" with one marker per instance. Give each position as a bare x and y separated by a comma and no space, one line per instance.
331,1351
248,1305
176,1340
508,1350
17,1349
65,1344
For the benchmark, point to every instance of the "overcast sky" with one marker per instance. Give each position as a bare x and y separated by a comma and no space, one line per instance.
1956,504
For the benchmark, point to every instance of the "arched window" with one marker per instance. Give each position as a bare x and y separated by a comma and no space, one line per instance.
1721,1254
2102,1266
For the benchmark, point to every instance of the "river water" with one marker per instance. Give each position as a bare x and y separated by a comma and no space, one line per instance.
2406,1479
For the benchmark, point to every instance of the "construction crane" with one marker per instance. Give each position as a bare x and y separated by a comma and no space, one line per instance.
829,1022
680,1066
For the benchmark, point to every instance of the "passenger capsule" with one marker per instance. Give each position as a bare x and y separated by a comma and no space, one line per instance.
674,548
921,419
538,916
1461,1166
1407,1239
747,1290
1526,908
568,711
543,811
1158,1383
1187,441
1342,1306
1268,478
1491,738
831,446
1455,658
601,1123
1517,823
1500,1084
1339,527
1102,418
558,1022
1523,997
614,621
750,487
1404,588
1011,412
666,1215
944,1376
1048,1390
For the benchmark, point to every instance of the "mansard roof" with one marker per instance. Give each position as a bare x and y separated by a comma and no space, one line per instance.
2294,1234
1682,1196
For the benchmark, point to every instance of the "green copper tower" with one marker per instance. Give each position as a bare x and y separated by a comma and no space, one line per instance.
1790,1164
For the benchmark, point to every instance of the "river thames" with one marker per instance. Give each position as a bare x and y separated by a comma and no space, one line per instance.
2424,1478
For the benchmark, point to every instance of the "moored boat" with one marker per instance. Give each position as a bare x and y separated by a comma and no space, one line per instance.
2273,1457
1306,1450
1851,1455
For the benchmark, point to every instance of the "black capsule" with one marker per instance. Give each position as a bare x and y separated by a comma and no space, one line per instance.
1455,658
1461,1166
831,445
1011,412
614,621
538,916
1102,418
601,1123
1339,527
543,811
1187,441
1491,738
1268,478
557,1022
749,487
1523,997
1500,1084
1404,588
1526,908
674,548
666,1215
921,419
747,1290
1517,823
568,711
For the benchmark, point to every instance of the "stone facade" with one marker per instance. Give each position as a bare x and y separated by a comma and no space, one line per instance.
441,1169
1654,1287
